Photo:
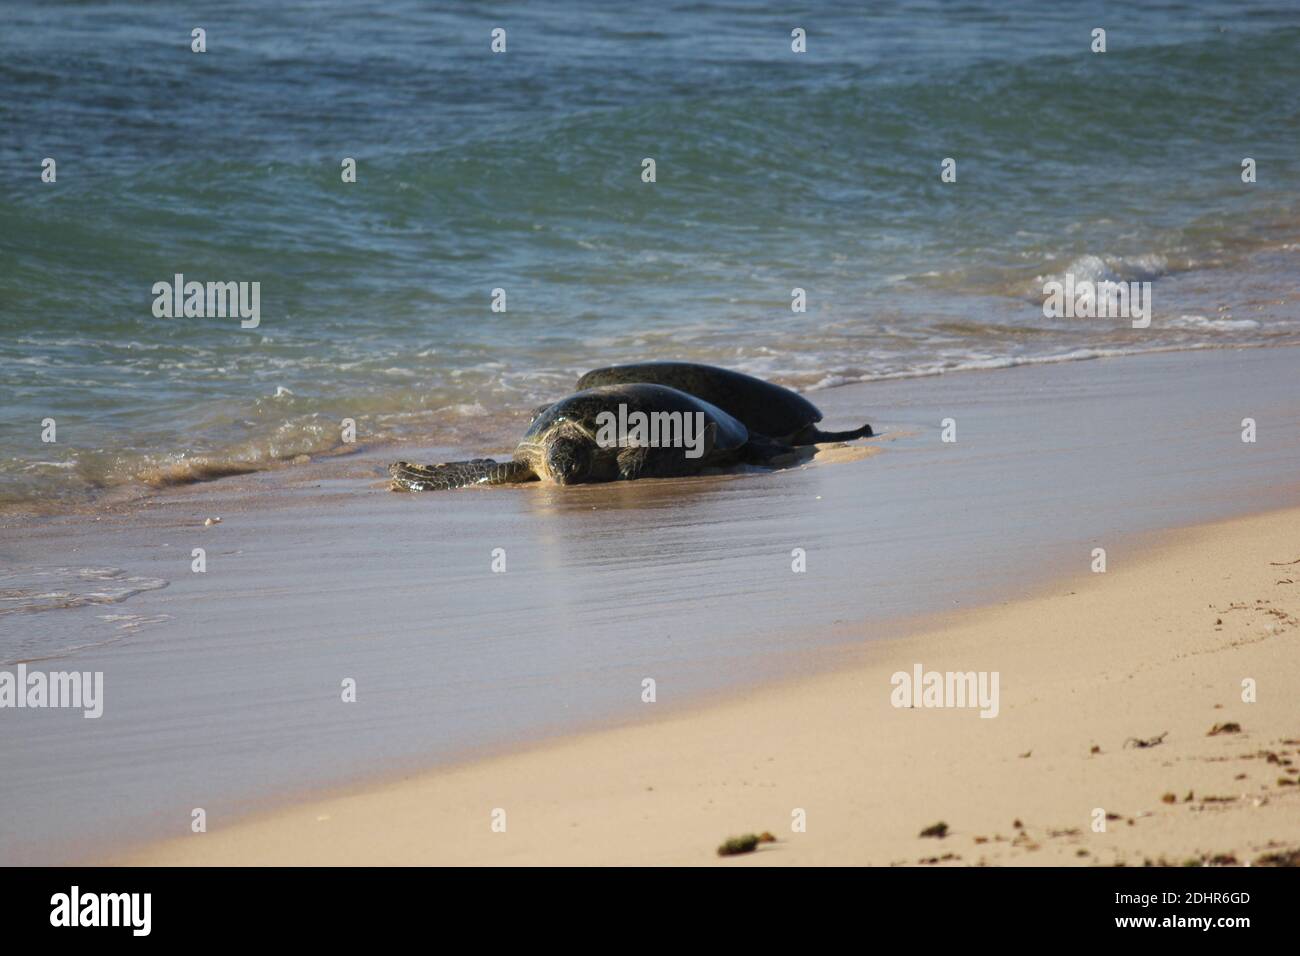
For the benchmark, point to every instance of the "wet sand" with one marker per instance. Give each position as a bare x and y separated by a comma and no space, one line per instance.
224,691
1154,651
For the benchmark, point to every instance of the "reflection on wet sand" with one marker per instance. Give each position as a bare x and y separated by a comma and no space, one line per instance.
657,494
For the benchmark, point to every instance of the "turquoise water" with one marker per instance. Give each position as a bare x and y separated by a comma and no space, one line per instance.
521,171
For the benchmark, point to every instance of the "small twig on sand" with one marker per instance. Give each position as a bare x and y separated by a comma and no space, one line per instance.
1149,742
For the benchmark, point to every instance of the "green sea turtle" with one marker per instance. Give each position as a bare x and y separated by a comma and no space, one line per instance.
763,407
593,436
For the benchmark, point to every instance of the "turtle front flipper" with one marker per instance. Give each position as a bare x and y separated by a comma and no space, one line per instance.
671,462
458,474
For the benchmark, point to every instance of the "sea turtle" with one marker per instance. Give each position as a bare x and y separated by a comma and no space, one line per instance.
763,407
572,442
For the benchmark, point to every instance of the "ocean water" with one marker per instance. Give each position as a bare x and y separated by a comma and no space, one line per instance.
522,171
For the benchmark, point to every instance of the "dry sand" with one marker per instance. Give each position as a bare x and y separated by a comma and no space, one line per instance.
1156,647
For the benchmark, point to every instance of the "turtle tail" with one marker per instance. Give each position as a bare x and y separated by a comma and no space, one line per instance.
812,435
457,474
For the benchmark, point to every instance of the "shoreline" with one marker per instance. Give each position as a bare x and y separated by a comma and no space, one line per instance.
333,461
669,789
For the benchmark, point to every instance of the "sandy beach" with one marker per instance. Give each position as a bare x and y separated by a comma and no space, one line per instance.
1155,650
222,689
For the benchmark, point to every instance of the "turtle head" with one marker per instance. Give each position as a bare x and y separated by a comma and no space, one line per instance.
569,459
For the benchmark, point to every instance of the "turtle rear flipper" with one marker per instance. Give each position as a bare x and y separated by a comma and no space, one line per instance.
812,435
458,474
761,450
